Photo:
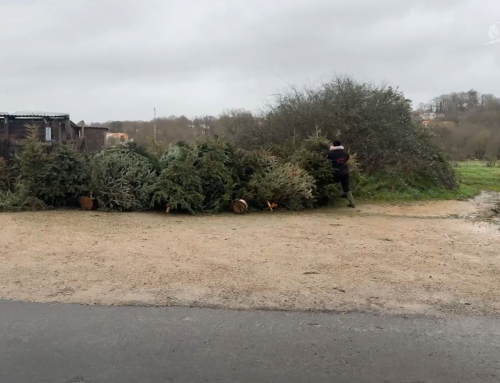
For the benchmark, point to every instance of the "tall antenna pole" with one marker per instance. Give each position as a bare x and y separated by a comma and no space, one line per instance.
154,125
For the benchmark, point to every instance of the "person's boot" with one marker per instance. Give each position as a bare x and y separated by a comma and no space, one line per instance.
350,197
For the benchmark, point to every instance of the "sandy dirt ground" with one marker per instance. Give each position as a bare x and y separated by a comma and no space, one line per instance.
427,258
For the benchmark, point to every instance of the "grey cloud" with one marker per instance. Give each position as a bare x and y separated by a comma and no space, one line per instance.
104,59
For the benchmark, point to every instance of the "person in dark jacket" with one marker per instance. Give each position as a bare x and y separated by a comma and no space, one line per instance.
339,157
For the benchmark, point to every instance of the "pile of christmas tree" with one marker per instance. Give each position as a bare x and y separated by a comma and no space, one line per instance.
203,177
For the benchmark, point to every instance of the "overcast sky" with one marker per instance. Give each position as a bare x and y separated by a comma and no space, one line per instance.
117,59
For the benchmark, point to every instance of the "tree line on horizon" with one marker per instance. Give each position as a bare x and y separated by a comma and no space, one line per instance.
470,128
473,124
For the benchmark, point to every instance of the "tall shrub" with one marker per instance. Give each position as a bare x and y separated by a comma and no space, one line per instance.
33,162
374,122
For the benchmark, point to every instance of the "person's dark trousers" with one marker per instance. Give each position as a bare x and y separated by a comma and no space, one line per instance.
344,182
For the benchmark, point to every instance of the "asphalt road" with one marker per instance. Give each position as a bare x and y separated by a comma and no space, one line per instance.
61,343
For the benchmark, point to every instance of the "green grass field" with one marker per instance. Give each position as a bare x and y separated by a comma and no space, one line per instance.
473,176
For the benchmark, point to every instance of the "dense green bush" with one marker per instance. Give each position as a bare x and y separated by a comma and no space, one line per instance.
43,175
216,166
248,163
20,199
7,175
208,176
12,201
282,183
119,178
65,177
205,177
310,155
179,184
374,122
312,158
32,162
25,181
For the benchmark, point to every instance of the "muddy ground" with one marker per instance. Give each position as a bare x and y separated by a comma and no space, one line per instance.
427,258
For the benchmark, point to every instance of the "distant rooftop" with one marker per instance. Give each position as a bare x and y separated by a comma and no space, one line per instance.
34,114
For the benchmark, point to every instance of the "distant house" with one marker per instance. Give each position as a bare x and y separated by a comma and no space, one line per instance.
425,116
113,139
415,116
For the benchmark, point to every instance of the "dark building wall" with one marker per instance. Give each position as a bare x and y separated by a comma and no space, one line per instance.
18,131
7,149
2,128
95,139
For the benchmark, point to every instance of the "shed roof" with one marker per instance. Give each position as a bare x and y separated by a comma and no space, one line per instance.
96,127
34,114
76,126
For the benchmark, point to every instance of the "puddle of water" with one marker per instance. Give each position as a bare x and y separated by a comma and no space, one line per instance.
487,207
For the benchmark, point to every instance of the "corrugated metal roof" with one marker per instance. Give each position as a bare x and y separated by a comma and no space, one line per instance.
34,114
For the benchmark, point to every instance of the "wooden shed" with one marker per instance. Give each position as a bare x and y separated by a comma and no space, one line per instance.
95,137
53,126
